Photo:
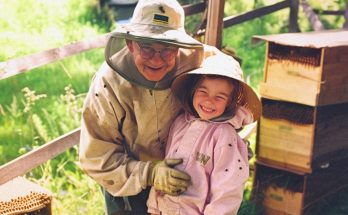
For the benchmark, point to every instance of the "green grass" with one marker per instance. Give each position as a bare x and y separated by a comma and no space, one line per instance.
51,104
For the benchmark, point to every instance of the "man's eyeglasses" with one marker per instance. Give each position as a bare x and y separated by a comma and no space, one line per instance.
147,52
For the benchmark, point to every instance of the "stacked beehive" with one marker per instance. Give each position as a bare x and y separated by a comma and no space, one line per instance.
303,130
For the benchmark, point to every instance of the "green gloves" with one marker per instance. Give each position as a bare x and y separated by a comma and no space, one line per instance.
163,177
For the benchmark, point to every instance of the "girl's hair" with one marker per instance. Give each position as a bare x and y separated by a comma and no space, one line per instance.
236,98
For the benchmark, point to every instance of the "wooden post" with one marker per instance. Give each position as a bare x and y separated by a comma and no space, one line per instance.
213,31
346,17
102,3
293,17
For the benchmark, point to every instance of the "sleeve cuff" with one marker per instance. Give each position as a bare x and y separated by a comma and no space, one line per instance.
153,211
144,171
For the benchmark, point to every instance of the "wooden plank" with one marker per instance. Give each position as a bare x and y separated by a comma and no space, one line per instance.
293,70
279,166
25,63
213,32
293,16
288,167
271,211
284,129
233,20
294,94
345,26
329,12
335,76
285,159
287,136
337,54
331,134
30,160
336,91
312,17
336,72
282,201
194,8
293,76
265,67
334,176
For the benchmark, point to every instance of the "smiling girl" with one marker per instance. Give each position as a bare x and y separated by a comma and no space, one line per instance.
216,102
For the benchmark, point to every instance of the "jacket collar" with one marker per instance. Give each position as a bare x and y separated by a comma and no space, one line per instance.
190,118
242,117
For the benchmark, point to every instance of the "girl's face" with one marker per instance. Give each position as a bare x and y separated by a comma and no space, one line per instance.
211,97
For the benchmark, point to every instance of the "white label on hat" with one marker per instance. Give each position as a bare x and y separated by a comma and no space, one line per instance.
158,18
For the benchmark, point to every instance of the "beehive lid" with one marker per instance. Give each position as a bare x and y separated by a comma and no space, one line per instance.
22,196
317,39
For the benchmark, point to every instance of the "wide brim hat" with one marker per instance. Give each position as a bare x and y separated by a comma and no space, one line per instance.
157,21
222,65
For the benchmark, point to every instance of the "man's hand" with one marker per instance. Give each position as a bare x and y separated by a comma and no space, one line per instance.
163,177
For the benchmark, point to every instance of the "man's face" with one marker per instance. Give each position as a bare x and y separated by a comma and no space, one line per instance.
153,60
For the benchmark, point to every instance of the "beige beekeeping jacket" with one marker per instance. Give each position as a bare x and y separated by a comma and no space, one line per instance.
125,125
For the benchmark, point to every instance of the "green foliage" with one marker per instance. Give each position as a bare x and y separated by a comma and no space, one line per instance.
33,25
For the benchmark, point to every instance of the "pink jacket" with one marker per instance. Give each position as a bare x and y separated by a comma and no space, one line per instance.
216,158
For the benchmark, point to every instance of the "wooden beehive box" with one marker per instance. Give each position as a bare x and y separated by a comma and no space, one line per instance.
21,196
280,192
306,68
301,137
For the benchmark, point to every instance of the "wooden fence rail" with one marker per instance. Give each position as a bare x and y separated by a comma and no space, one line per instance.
22,64
38,156
259,12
